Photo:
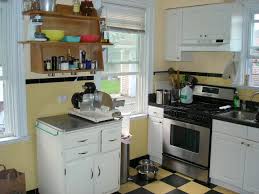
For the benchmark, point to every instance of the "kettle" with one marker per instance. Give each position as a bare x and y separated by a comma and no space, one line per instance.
186,95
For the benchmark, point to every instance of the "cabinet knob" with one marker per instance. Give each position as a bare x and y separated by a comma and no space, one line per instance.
205,35
248,145
242,143
201,36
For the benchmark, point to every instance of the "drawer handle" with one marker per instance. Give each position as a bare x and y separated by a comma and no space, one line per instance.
99,171
92,173
112,140
82,141
83,153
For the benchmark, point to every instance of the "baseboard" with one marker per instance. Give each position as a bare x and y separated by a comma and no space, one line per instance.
226,185
34,191
135,162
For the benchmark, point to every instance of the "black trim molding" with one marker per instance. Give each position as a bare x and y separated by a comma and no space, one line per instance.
63,79
35,191
193,73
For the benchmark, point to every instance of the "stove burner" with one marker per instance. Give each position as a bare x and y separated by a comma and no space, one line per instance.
199,113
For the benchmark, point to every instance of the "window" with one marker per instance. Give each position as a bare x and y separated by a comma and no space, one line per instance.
125,69
12,81
253,51
123,75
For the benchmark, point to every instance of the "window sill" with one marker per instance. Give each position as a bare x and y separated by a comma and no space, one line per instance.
12,140
248,87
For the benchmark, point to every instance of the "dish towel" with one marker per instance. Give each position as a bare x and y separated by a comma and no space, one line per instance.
230,70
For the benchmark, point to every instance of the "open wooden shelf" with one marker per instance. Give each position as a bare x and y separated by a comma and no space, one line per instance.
59,15
72,25
52,43
71,71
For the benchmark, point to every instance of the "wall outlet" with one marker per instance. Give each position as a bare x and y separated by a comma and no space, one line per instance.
62,99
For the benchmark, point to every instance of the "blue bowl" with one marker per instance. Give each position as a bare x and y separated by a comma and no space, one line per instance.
71,39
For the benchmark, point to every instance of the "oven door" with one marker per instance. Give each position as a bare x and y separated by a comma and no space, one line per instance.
186,141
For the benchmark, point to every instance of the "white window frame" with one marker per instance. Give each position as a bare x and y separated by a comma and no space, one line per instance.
148,44
250,7
14,75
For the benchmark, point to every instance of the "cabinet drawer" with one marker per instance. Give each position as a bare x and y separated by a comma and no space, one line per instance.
80,139
230,128
155,111
111,140
253,134
80,152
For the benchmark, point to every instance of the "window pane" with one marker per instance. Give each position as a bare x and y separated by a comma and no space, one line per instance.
122,88
121,68
125,47
255,35
256,16
2,123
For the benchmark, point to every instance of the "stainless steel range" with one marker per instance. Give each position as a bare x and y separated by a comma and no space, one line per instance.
187,131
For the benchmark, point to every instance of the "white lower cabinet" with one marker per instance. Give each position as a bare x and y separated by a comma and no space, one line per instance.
155,135
227,159
76,162
77,169
107,173
251,177
234,160
94,175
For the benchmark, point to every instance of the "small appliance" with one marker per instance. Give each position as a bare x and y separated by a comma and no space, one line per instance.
94,105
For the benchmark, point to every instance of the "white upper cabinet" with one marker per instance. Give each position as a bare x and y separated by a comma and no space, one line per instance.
215,27
205,24
173,36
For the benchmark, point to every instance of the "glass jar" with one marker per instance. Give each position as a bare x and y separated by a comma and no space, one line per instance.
27,5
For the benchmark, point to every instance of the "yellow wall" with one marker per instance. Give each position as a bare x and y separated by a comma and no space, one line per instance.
139,143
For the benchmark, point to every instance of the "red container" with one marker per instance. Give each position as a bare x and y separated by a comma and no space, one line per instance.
90,38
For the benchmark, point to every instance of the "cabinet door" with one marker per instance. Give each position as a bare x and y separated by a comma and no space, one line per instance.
251,178
206,22
80,176
155,133
227,159
173,31
107,172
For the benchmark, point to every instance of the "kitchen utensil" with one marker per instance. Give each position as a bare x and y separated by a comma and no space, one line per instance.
35,5
54,35
48,5
166,97
147,171
71,39
90,38
146,161
159,96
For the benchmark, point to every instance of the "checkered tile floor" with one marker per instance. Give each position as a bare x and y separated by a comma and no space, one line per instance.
168,183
